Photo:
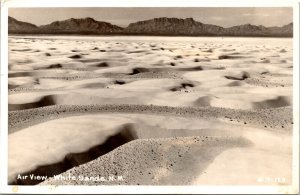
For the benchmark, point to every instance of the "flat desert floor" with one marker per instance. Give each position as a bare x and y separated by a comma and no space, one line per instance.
150,110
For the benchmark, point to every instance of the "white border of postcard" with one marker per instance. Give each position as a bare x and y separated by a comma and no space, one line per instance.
4,188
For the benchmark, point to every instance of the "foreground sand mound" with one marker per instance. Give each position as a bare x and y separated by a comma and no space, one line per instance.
112,130
154,161
73,159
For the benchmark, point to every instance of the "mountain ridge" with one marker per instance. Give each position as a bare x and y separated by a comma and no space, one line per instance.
157,26
87,24
19,26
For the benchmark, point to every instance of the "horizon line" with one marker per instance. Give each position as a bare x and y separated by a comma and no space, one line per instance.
147,20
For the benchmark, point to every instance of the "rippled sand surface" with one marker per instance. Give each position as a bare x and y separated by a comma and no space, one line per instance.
154,110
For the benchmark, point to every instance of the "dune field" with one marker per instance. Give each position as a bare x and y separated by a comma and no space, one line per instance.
150,110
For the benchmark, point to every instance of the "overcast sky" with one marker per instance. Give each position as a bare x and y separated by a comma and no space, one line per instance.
225,17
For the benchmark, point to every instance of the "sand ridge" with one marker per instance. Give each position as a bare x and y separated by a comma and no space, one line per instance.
266,118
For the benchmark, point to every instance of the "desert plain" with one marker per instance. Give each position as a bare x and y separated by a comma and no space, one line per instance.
153,110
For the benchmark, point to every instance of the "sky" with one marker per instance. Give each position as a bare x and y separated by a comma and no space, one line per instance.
225,17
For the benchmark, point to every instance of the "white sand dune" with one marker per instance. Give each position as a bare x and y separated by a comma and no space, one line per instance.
80,133
156,110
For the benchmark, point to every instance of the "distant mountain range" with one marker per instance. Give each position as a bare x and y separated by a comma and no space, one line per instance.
157,26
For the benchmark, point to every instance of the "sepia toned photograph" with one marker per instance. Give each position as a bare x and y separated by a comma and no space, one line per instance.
160,96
